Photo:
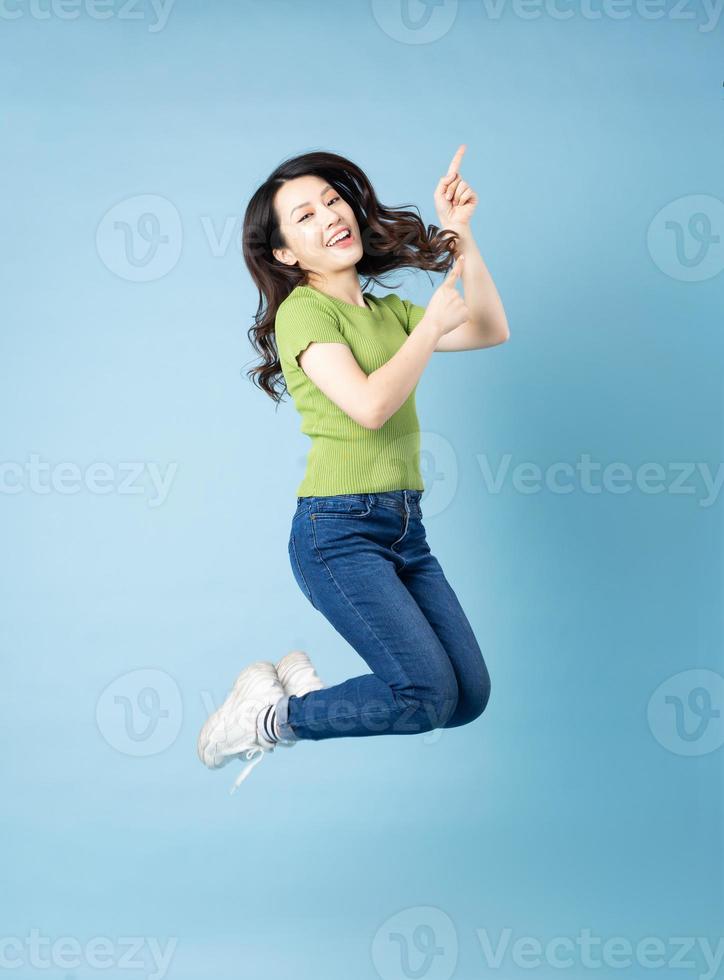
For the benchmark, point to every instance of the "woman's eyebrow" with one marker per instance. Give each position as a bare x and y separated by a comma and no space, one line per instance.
307,203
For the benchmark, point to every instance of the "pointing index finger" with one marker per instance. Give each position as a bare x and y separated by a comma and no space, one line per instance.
455,162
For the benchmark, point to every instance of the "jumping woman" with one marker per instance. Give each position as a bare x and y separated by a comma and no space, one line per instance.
351,362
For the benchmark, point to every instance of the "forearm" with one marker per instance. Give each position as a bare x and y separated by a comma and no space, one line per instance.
391,385
479,290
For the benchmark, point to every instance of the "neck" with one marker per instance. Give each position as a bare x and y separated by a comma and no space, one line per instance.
343,285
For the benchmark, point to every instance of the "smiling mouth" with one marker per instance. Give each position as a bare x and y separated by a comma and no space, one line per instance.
337,240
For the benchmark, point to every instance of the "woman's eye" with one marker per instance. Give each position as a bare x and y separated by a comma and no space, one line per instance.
309,212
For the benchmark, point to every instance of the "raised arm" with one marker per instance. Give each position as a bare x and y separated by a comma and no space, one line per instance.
455,202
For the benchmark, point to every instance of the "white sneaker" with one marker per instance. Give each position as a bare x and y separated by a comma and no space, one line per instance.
297,674
298,677
232,729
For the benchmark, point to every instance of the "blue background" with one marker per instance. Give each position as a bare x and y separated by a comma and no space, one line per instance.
560,809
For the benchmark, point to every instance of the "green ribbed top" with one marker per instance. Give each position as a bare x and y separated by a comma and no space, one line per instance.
346,457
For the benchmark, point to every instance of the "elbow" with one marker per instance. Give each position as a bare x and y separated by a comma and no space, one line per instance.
376,417
375,414
368,419
494,334
501,335
375,420
494,340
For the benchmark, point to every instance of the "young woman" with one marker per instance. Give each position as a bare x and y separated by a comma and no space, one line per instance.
351,362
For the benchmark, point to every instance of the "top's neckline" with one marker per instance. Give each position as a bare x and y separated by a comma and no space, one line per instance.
350,306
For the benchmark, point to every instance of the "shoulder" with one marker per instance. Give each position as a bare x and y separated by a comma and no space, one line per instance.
302,299
303,309
305,315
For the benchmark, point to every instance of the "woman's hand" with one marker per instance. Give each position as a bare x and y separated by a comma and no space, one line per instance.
447,309
455,200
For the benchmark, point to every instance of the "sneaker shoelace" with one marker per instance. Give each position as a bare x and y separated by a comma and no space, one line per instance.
249,754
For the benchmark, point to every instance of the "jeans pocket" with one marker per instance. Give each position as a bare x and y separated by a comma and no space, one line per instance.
347,505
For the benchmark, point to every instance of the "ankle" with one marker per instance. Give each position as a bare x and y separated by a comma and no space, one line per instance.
267,728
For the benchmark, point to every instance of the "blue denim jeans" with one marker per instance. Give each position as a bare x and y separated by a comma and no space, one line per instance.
363,561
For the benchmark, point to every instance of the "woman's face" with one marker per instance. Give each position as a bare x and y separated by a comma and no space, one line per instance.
310,214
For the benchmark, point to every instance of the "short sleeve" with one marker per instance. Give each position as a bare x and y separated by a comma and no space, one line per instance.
408,313
301,320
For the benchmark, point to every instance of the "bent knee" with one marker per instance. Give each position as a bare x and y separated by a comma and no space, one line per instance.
472,704
434,704
482,696
441,701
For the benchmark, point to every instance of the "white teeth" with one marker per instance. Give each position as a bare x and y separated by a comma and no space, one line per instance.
338,238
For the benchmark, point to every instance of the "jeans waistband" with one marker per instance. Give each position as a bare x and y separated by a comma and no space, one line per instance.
398,500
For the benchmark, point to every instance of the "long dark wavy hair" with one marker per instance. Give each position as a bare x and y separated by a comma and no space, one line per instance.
392,238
